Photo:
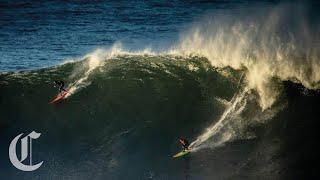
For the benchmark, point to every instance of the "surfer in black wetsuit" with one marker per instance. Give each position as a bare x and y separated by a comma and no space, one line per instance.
59,84
185,144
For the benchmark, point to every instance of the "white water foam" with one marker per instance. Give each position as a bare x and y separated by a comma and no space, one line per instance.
276,44
272,46
233,124
224,129
97,59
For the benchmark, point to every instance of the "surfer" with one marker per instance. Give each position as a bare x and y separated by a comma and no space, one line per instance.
59,84
185,144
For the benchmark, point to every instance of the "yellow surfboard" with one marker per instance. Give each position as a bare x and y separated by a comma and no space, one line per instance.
182,153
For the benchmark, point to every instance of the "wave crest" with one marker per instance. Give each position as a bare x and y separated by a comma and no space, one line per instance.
279,43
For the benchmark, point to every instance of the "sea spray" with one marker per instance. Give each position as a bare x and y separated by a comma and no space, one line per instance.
266,49
271,44
96,59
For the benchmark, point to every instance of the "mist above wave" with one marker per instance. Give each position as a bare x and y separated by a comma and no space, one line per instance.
269,43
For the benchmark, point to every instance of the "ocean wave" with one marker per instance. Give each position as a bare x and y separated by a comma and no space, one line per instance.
278,43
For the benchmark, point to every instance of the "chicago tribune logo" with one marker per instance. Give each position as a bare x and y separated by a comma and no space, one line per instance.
25,152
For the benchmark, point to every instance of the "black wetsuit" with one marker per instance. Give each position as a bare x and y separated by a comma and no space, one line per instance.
60,84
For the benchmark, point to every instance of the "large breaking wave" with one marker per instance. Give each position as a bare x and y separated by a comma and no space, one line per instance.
279,43
270,47
248,57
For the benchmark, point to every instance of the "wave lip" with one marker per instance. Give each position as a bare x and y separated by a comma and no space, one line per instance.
279,43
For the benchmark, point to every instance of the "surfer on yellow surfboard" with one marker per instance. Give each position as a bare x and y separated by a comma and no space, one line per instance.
185,148
184,143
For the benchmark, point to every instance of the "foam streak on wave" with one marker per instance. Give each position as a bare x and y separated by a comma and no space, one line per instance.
97,59
224,129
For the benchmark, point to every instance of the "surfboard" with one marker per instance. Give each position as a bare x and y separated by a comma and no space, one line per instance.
182,153
59,97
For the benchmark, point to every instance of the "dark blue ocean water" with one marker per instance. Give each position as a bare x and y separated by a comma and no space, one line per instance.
35,34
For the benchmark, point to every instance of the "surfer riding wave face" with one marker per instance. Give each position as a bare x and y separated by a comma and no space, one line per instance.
185,144
60,85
